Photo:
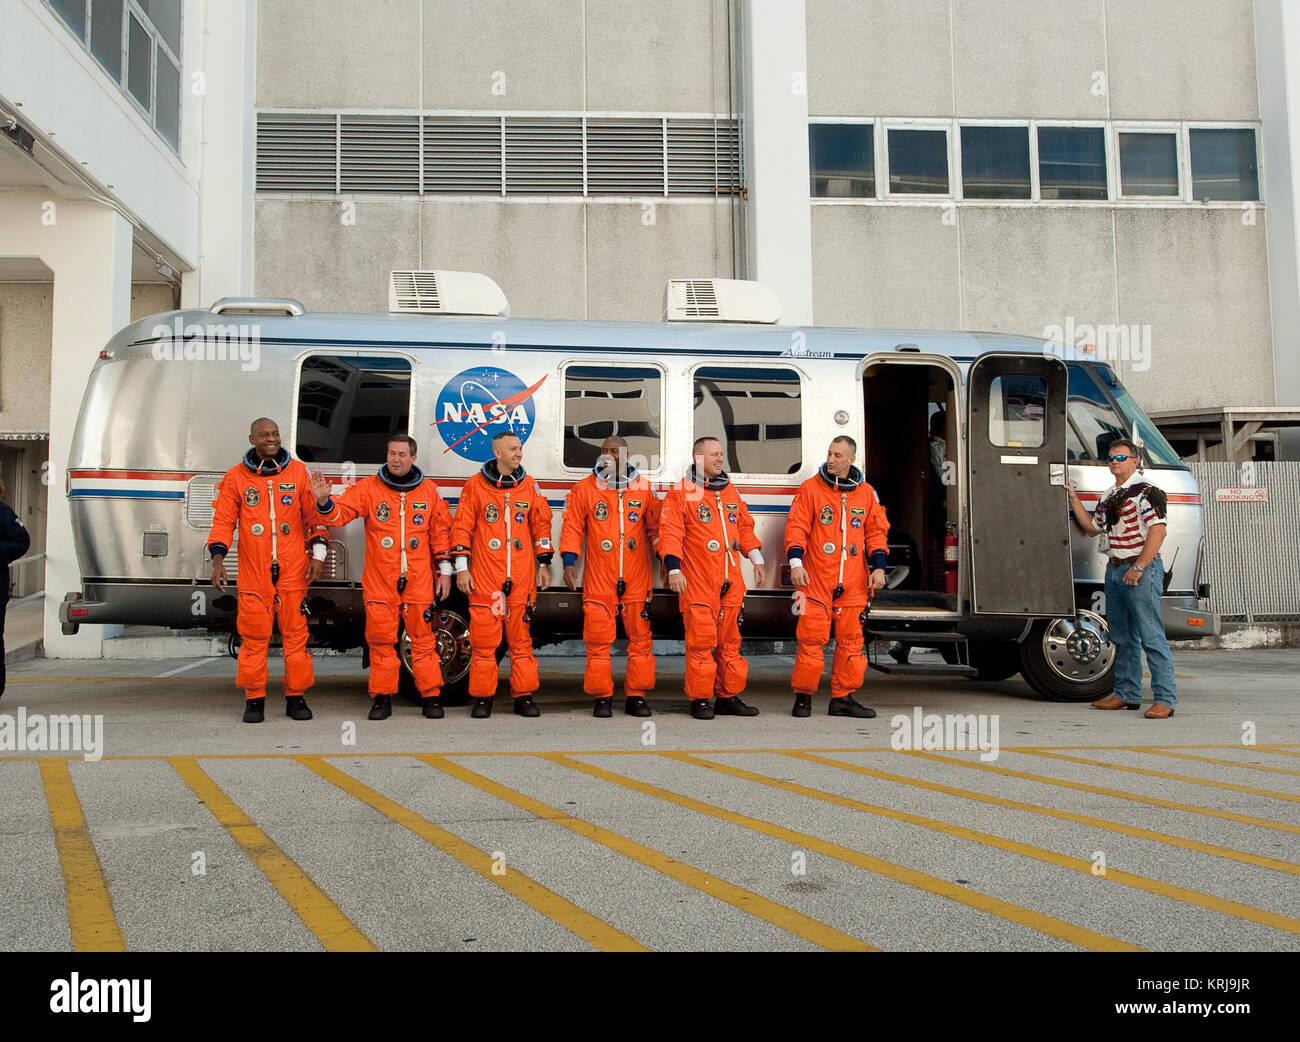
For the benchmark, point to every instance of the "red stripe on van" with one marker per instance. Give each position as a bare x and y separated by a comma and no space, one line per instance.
134,475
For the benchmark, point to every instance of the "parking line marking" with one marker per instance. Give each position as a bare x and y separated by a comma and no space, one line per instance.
1290,867
596,932
747,901
1268,749
1215,760
1230,786
192,665
91,918
1039,921
988,839
1152,801
311,904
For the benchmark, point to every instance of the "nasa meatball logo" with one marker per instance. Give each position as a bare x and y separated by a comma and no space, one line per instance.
476,405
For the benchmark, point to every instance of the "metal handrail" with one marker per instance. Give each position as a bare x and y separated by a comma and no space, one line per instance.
29,559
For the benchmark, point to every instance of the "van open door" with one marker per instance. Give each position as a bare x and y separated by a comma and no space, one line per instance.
1019,517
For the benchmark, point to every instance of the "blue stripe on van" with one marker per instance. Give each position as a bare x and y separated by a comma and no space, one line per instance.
124,493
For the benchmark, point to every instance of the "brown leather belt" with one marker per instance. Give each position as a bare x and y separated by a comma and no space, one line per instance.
1123,560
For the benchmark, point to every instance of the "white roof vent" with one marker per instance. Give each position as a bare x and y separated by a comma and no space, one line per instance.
445,293
719,300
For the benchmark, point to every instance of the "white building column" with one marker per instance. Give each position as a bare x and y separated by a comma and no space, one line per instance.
221,48
779,214
1277,46
88,247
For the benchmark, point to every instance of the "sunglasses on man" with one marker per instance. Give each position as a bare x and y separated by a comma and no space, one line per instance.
1117,459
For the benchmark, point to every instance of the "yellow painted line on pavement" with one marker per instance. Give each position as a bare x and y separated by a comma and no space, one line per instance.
1134,797
778,915
592,752
1270,749
1046,924
91,918
1290,867
596,932
1231,787
1011,846
317,911
1214,760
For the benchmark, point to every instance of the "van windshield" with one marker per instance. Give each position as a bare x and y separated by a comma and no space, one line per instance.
1101,410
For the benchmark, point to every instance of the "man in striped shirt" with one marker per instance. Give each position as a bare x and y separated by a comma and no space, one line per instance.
1131,522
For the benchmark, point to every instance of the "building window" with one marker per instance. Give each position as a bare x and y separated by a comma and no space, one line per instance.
601,400
106,37
1072,162
73,13
1224,164
918,162
1148,163
1016,407
842,157
757,414
147,34
349,406
995,162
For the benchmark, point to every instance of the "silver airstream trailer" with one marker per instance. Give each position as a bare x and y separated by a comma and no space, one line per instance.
967,437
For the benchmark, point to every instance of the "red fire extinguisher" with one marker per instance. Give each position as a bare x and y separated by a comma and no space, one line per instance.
950,559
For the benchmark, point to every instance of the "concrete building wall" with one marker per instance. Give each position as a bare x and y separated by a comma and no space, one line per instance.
1197,275
563,258
26,328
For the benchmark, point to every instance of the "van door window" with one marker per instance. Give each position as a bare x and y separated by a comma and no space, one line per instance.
602,400
1016,406
349,406
757,414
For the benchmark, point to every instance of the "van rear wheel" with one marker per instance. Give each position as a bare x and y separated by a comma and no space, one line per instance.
1069,659
451,631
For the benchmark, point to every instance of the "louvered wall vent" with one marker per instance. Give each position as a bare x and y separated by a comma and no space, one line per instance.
430,154
720,300
445,293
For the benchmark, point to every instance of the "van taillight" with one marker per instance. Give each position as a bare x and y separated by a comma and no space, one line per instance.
78,613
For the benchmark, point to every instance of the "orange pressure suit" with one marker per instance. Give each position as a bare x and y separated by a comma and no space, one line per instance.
408,533
501,532
704,528
270,505
619,520
838,529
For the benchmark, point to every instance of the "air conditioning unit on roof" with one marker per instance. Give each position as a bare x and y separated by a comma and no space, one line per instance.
445,293
720,300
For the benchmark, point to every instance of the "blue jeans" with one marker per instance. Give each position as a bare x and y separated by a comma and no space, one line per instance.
1133,617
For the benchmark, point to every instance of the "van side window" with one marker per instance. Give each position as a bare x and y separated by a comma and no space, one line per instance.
349,406
600,400
1094,424
1016,405
757,414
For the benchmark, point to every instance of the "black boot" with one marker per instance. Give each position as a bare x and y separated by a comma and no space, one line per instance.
482,708
733,706
701,709
847,707
636,705
254,710
432,708
525,706
381,707
802,704
602,708
296,707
